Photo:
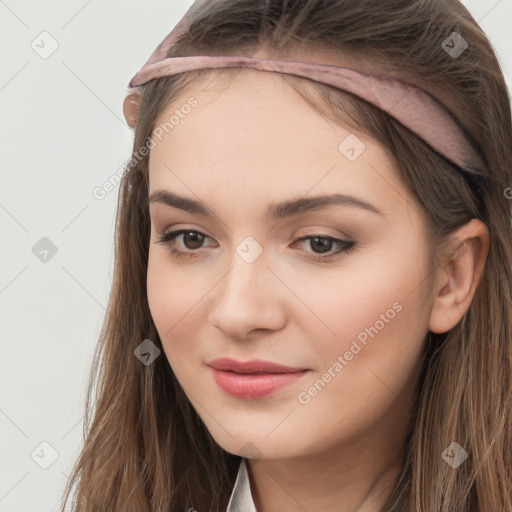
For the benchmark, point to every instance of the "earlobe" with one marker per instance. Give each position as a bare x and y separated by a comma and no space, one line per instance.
131,107
459,273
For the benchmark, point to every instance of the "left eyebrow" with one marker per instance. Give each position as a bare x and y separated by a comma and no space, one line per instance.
275,210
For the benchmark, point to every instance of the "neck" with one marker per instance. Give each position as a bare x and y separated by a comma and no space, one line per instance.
356,475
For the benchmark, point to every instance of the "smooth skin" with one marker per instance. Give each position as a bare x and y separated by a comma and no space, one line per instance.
248,143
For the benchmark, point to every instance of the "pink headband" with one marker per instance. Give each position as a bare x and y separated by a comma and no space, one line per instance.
413,107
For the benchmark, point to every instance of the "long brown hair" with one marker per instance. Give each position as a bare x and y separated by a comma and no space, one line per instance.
145,447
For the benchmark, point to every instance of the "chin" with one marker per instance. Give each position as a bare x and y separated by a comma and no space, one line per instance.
254,442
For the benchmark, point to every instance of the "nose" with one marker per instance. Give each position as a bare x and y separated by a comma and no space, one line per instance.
249,298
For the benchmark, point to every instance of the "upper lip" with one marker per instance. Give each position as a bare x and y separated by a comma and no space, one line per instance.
253,366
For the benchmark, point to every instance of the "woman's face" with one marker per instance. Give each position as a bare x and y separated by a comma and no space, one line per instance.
257,276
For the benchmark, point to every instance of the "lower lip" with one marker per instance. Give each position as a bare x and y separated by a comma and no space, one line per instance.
247,385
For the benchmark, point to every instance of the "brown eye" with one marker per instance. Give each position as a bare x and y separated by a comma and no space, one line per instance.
191,241
323,244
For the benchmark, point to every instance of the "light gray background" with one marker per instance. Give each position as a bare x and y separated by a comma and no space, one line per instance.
62,134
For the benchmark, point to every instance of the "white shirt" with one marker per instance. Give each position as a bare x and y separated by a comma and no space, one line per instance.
241,497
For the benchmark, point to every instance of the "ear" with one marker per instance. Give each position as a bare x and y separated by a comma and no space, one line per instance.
459,273
131,107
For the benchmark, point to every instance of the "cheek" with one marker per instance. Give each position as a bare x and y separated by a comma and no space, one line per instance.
168,297
177,298
172,290
369,360
370,296
367,378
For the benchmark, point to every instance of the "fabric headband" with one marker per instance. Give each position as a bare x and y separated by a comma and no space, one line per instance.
413,107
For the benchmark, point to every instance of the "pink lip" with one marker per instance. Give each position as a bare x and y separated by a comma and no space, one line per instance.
253,379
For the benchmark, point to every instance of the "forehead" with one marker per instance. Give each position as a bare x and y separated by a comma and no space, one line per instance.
255,135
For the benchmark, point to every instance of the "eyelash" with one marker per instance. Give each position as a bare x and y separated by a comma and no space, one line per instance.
167,239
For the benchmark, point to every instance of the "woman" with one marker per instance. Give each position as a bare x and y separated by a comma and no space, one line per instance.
311,306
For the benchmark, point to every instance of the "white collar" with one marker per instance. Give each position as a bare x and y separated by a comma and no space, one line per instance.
241,497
